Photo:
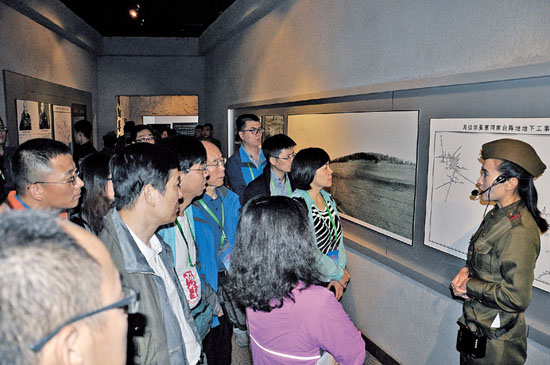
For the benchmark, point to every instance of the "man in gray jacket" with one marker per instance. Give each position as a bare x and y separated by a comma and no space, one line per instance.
146,183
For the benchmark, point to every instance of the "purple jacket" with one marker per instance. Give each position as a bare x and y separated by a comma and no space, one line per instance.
316,320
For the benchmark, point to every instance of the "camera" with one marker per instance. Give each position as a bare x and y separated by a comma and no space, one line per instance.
471,343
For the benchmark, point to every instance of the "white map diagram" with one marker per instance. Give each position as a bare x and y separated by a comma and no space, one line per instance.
452,215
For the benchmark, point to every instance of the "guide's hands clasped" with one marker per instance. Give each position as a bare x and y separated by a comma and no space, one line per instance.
458,284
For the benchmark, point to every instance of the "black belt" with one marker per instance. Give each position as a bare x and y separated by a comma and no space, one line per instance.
497,333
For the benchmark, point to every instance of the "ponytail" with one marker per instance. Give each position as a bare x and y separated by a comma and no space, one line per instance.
526,190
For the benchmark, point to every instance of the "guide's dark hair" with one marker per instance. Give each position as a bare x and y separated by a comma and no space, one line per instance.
526,190
136,166
94,172
32,161
274,145
274,250
208,125
85,127
305,165
240,123
188,150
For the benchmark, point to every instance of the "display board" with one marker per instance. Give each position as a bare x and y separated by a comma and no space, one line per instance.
62,122
41,109
273,124
373,156
452,214
34,120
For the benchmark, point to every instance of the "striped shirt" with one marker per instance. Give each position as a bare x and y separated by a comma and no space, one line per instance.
327,239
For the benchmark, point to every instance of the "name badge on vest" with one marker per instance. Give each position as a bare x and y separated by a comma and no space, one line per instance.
333,256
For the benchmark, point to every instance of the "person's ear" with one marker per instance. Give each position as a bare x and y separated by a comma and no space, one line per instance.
241,135
272,160
149,193
36,191
63,348
511,183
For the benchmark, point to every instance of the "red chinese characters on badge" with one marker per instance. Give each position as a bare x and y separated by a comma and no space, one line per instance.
191,284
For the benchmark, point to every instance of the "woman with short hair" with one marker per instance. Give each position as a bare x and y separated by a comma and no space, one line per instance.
274,274
311,174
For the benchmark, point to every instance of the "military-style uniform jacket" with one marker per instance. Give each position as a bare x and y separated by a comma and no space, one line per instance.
501,261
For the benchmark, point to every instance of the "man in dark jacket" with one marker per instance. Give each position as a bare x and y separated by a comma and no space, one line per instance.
248,162
83,140
275,180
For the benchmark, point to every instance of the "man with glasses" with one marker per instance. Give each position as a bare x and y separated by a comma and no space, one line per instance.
216,216
144,134
275,180
61,294
146,182
181,234
45,177
248,162
6,156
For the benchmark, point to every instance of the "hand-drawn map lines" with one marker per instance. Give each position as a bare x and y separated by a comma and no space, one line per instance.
452,163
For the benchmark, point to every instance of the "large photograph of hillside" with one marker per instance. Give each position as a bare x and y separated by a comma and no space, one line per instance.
373,156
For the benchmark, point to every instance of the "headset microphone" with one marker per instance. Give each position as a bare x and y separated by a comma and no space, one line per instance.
499,180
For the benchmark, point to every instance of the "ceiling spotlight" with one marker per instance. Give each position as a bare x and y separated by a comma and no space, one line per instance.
134,12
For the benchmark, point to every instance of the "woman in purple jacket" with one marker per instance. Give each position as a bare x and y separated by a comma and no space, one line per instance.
291,320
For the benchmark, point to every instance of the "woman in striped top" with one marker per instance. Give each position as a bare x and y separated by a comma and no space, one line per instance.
311,173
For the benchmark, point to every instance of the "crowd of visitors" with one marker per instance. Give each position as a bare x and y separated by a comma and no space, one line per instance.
172,254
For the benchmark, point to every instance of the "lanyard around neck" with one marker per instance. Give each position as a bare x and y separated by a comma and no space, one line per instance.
221,225
287,184
331,221
185,239
251,173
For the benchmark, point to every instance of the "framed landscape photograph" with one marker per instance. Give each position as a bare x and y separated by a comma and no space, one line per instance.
373,156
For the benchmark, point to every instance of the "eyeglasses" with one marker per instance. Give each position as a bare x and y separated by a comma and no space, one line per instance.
203,168
145,139
71,180
255,131
286,158
130,303
217,163
3,129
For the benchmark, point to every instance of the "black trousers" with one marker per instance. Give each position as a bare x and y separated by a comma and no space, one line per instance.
217,343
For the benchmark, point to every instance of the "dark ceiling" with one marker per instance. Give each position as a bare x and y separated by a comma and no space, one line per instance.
157,18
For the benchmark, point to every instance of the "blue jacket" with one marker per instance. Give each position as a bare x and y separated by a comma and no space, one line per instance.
327,267
206,242
241,171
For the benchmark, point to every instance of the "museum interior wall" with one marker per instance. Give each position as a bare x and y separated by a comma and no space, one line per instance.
40,50
310,52
147,66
